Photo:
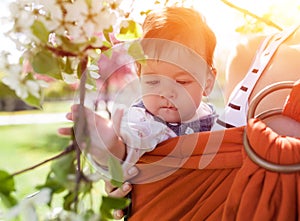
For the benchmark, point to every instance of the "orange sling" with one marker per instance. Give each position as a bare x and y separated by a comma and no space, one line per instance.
217,181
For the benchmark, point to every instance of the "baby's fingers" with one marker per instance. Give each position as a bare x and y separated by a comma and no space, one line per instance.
66,131
117,119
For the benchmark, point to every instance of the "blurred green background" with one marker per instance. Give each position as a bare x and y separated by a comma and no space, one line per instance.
23,145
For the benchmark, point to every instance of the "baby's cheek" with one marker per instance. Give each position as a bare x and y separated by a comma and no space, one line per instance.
187,109
150,104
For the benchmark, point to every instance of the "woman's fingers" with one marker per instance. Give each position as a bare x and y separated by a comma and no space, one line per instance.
122,191
130,173
119,192
118,214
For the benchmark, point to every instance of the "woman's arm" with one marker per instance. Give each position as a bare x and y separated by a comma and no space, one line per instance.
284,66
239,62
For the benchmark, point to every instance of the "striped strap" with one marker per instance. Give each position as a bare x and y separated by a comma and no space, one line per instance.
235,113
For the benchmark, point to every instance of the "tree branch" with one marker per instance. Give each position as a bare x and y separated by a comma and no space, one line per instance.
60,52
69,149
244,11
81,129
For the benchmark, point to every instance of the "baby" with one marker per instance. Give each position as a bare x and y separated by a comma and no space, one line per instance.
177,73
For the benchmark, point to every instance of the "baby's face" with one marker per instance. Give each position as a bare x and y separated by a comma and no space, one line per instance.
169,92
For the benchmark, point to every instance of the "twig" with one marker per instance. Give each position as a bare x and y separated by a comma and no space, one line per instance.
81,127
60,52
69,149
244,11
78,176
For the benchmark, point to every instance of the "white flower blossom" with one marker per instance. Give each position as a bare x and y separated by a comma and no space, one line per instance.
23,18
94,71
90,19
15,81
27,207
74,27
60,214
33,87
53,16
4,60
70,78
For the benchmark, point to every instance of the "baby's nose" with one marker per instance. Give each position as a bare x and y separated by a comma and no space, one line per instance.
169,90
170,94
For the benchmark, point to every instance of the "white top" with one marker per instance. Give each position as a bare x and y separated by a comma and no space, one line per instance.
141,132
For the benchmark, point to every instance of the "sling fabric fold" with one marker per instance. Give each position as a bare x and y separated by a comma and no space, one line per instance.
292,104
208,176
259,194
185,192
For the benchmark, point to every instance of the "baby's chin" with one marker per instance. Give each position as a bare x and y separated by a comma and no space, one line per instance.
170,116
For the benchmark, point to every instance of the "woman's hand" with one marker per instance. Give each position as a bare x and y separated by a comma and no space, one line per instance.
120,192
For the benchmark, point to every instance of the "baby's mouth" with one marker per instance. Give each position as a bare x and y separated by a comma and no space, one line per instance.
169,107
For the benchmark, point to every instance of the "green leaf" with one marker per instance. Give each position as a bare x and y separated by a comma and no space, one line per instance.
69,199
70,46
40,31
7,186
33,101
136,51
108,53
89,215
62,168
132,31
8,200
91,82
80,70
109,204
86,187
53,184
45,63
107,44
7,183
116,172
106,33
67,66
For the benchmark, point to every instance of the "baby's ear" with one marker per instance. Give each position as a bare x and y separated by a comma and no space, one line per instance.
138,68
210,82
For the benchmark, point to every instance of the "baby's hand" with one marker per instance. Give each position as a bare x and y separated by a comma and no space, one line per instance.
103,139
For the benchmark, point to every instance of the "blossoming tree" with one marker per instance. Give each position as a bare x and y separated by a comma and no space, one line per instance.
63,40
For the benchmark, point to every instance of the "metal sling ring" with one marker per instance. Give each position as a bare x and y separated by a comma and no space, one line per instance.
251,114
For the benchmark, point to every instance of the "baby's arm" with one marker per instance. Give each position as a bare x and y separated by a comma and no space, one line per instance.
99,154
141,133
103,136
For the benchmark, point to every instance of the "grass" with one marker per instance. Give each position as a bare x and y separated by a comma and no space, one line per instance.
48,107
25,145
